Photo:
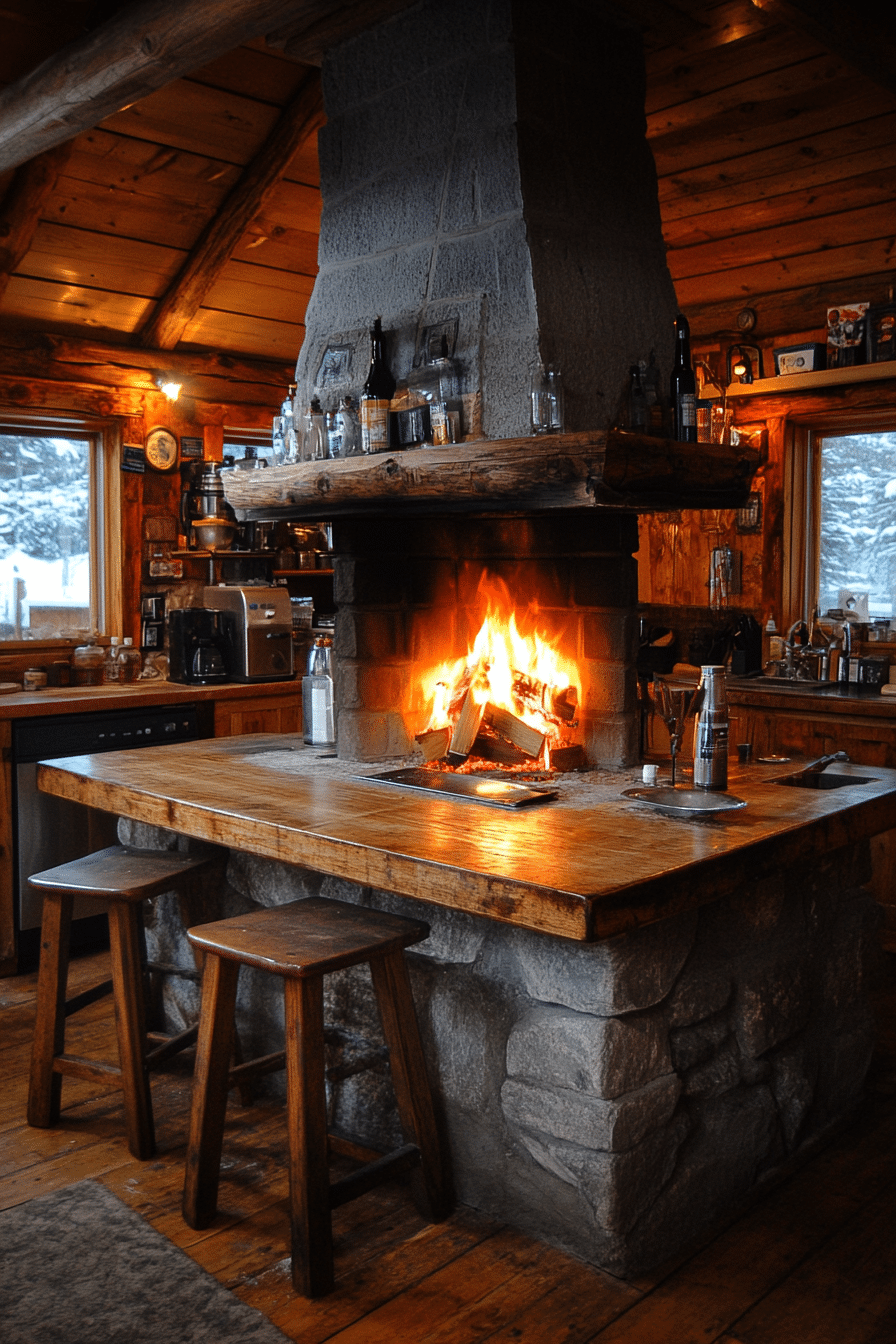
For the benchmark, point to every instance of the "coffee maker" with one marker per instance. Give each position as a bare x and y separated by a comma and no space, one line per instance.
199,642
261,630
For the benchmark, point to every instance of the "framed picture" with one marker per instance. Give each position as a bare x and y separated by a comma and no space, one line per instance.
804,358
749,517
846,335
881,333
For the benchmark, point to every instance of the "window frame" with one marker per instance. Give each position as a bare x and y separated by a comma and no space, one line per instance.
802,498
105,513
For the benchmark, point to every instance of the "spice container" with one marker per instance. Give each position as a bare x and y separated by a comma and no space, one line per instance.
34,679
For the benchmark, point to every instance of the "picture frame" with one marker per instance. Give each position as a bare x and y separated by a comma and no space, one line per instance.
805,358
847,325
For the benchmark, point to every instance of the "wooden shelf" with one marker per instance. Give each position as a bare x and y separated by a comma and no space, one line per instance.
610,469
300,573
811,382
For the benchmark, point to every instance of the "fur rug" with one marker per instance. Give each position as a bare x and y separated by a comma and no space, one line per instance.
79,1267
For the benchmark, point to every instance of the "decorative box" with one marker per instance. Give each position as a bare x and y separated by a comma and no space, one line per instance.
799,358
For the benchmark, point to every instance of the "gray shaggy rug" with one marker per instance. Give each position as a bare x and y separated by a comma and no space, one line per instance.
79,1267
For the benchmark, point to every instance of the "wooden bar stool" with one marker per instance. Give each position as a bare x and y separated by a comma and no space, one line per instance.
123,878
302,942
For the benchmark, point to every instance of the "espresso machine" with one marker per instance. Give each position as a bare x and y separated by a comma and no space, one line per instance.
260,630
199,644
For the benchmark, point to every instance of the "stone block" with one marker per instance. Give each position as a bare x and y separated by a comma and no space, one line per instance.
624,974
610,688
371,736
375,686
694,1045
714,1076
771,1004
611,743
467,1020
455,937
407,211
792,1088
602,1056
613,1126
484,184
512,305
701,990
609,636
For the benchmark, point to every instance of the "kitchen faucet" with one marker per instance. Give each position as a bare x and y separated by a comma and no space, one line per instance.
799,626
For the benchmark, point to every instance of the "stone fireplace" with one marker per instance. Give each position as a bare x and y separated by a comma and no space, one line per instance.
408,594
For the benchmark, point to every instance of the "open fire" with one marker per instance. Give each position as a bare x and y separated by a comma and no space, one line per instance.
510,703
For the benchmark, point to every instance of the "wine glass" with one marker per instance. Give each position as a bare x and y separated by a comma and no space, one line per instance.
674,704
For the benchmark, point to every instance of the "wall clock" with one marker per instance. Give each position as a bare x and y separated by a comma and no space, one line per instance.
161,449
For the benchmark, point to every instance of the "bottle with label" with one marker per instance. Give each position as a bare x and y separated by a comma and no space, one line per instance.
376,397
683,386
350,427
711,731
638,414
285,442
318,726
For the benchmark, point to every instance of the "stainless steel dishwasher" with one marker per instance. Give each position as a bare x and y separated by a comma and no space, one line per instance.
49,830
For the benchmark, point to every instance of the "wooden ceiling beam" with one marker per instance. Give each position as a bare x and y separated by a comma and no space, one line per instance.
26,197
302,116
142,48
845,31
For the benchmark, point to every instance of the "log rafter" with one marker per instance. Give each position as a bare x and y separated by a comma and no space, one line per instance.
833,27
140,49
27,195
301,117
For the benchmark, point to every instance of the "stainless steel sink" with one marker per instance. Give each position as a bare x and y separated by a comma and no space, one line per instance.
824,781
781,684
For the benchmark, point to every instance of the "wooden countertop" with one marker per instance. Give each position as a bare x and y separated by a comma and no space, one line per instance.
586,867
90,699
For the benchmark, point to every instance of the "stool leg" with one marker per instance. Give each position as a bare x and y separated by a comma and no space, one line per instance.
213,1051
130,1021
409,1078
309,1178
45,1086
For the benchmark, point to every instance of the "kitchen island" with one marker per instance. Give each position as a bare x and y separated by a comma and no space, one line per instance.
632,1019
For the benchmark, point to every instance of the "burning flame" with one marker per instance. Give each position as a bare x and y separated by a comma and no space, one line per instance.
516,672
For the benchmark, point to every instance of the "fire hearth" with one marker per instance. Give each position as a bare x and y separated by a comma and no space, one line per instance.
411,598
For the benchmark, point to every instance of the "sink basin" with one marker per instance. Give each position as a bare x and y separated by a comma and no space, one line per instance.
781,684
824,781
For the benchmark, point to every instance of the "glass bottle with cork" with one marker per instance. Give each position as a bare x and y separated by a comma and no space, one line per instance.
683,385
376,398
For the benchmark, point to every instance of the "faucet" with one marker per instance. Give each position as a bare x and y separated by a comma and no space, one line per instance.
816,767
799,627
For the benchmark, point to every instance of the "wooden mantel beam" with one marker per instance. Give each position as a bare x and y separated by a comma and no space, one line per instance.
303,115
839,29
142,48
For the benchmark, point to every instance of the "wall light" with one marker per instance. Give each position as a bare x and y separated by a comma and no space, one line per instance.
168,386
744,363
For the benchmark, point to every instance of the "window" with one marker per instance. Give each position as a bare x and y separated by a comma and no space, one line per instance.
857,521
841,487
59,549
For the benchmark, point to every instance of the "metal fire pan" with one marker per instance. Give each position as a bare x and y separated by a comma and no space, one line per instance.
471,788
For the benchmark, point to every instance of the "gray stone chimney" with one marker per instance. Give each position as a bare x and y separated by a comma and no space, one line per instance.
485,175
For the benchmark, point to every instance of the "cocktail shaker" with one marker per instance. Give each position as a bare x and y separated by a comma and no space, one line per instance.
711,731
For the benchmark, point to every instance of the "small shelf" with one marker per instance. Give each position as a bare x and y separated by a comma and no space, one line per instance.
808,382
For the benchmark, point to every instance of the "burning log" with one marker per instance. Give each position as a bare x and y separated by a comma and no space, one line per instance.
565,704
490,747
561,706
434,743
528,740
565,759
465,729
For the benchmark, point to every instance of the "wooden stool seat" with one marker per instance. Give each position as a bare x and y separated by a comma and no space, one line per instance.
123,877
302,942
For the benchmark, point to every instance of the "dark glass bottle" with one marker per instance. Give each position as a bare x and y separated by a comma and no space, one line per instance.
376,397
683,386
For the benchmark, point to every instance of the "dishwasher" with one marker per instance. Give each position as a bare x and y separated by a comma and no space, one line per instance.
49,830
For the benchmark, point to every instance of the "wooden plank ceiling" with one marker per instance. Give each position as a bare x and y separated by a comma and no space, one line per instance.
773,126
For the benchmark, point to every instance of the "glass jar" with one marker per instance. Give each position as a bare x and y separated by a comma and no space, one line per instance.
87,665
130,661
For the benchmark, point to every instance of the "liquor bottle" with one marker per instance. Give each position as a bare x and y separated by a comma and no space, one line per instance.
683,386
638,412
376,396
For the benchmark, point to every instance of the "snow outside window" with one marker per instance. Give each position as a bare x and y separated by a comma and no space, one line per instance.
857,551
50,570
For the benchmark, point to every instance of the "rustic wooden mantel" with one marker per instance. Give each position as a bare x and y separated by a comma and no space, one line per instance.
609,469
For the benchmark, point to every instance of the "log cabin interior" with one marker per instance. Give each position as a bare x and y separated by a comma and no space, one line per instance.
161,221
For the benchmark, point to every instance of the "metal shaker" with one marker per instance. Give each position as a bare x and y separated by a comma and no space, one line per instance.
711,731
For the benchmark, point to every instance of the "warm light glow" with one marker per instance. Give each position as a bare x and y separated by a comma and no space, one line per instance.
171,390
517,672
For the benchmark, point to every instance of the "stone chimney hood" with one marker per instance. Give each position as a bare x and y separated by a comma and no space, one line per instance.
486,178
